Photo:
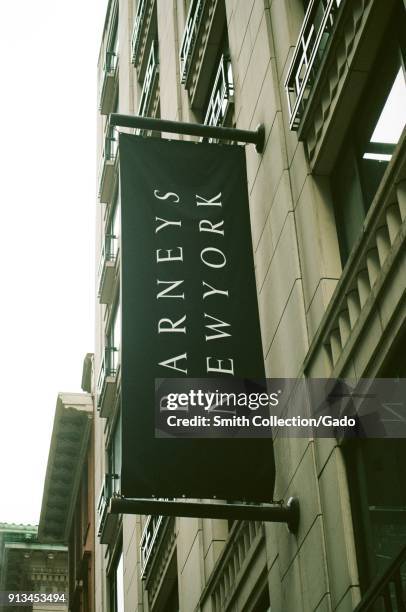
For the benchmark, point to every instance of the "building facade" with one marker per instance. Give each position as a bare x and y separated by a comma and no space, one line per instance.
29,565
67,511
327,206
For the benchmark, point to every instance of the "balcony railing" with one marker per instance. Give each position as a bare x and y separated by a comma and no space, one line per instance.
222,94
310,48
106,382
107,522
151,535
109,83
102,503
137,29
388,592
106,272
150,81
107,171
233,564
189,37
110,144
110,64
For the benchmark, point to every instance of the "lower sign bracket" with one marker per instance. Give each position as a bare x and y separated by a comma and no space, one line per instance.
288,513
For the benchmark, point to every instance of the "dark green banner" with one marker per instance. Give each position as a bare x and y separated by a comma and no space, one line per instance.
189,310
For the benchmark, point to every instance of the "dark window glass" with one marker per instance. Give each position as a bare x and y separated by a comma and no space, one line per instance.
115,456
377,473
172,603
85,500
263,604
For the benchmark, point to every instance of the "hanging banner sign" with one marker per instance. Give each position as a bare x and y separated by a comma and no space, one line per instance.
189,310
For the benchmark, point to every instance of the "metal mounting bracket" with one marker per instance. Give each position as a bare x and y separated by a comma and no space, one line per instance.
256,137
271,513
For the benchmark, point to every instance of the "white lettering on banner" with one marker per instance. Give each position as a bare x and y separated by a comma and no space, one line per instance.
216,263
205,202
167,195
213,258
172,363
173,326
169,256
219,368
213,291
165,223
215,327
207,226
172,285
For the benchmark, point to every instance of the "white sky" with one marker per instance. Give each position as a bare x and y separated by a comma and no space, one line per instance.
48,185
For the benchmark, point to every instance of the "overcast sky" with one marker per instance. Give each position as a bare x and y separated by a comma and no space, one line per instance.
48,184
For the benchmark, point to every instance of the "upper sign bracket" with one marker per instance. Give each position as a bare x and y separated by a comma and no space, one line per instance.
256,137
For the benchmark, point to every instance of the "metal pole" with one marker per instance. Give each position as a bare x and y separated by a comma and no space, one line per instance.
273,513
256,137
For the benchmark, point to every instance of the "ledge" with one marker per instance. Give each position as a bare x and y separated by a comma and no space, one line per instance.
69,441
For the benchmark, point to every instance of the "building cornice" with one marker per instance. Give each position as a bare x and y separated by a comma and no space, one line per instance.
69,443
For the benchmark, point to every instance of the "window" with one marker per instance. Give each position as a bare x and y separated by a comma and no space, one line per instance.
219,104
114,457
112,46
263,604
172,604
372,137
150,83
113,340
117,586
113,230
167,597
84,499
377,473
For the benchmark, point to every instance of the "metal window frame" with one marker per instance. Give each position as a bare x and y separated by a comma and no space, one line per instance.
222,91
105,372
158,524
137,29
108,254
151,74
110,136
306,56
193,21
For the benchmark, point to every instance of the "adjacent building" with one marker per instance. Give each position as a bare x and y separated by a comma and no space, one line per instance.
328,206
27,565
67,512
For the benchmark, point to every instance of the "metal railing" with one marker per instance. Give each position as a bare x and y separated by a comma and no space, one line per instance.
108,254
222,94
109,82
151,74
103,502
108,368
110,63
153,529
189,37
110,143
314,35
388,592
108,163
244,538
137,29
